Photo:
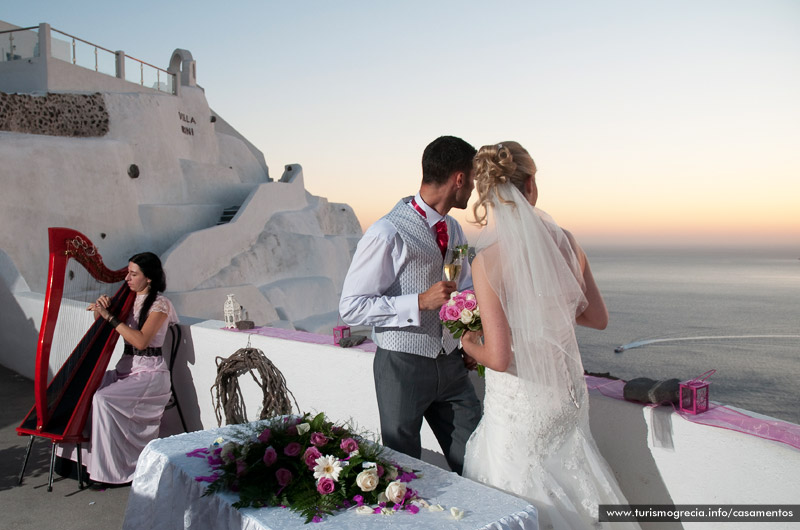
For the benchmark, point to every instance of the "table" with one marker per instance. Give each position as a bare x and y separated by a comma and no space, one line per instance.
165,496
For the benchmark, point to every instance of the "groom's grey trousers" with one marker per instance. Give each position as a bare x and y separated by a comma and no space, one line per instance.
410,387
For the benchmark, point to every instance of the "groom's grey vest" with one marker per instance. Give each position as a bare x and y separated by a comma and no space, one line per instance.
422,269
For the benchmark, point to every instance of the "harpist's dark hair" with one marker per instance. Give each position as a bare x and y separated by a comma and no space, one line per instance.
153,271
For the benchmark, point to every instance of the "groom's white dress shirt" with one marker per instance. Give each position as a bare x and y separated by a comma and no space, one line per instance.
376,263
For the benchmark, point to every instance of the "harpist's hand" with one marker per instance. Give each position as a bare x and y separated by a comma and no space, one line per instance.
100,307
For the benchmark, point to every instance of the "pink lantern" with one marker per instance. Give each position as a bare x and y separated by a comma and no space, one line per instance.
694,394
340,332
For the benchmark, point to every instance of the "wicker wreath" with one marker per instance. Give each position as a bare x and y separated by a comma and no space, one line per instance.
227,394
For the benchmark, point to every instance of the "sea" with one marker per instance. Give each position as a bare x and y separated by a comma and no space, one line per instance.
731,315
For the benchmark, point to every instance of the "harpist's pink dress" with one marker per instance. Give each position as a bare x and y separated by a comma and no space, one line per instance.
127,408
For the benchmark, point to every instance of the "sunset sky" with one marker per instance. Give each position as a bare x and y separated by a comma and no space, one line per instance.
649,121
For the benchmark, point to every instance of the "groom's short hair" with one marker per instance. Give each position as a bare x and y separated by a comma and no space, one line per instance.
444,156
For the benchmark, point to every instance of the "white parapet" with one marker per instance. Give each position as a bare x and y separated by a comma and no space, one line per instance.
658,456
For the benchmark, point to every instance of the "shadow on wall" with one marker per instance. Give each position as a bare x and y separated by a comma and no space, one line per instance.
186,401
19,333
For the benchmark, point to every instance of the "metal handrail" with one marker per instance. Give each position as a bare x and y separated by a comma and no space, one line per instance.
142,64
18,29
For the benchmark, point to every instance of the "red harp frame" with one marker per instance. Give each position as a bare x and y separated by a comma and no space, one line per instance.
62,406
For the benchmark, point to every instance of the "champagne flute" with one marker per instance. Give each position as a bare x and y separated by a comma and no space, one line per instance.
453,259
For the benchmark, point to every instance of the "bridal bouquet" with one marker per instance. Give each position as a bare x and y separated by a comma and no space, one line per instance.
461,313
309,465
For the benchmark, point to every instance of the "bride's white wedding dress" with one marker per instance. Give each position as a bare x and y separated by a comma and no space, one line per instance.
534,440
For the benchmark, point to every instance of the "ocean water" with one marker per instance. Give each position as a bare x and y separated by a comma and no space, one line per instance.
736,311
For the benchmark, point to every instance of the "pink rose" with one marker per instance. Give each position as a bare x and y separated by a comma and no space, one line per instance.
310,457
292,449
264,436
349,445
292,430
459,302
443,312
284,476
452,313
270,456
326,486
319,439
470,304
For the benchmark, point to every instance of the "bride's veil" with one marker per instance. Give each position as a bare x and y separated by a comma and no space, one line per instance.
533,269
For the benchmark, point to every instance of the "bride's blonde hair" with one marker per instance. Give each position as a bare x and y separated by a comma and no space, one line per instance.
497,164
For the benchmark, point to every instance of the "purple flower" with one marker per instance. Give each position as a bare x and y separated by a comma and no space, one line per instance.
201,453
359,500
316,519
264,436
241,466
292,449
310,457
413,508
270,456
209,478
325,486
406,476
292,430
319,439
349,445
380,470
284,476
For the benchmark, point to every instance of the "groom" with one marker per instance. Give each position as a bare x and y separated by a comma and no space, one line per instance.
395,285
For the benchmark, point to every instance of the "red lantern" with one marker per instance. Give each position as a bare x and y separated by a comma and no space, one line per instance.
694,394
340,332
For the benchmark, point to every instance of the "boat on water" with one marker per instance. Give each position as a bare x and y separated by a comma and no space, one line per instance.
171,175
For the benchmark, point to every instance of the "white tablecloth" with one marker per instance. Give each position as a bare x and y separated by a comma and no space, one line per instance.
165,495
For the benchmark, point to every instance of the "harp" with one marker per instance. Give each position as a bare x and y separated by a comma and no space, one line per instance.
62,404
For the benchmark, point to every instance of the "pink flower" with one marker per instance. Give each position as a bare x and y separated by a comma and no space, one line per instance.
270,456
284,476
349,445
413,508
264,436
241,466
310,457
452,312
292,430
292,449
325,486
319,439
359,500
470,304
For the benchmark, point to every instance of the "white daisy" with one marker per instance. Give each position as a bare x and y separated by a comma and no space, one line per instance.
327,466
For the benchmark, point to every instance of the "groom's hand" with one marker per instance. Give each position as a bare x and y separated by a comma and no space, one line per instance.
436,296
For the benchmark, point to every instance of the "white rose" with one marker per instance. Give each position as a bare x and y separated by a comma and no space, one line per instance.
303,428
396,491
367,480
226,454
364,510
469,297
387,511
466,316
457,513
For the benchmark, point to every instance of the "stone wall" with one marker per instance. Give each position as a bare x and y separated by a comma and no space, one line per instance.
76,115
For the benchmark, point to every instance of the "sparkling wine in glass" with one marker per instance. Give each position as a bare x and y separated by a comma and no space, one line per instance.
453,260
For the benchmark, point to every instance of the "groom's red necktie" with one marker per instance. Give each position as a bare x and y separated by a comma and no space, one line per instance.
441,228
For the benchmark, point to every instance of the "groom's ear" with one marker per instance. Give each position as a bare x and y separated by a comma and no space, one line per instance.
460,179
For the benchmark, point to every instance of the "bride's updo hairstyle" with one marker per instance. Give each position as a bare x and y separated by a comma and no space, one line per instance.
506,162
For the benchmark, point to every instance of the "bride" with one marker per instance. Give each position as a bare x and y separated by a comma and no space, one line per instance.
533,283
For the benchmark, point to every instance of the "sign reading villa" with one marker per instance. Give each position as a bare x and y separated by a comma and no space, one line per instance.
186,119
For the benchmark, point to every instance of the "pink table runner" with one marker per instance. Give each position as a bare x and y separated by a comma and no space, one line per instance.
716,416
302,336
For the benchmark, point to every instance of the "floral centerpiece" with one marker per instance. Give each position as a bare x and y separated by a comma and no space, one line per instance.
309,465
461,313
